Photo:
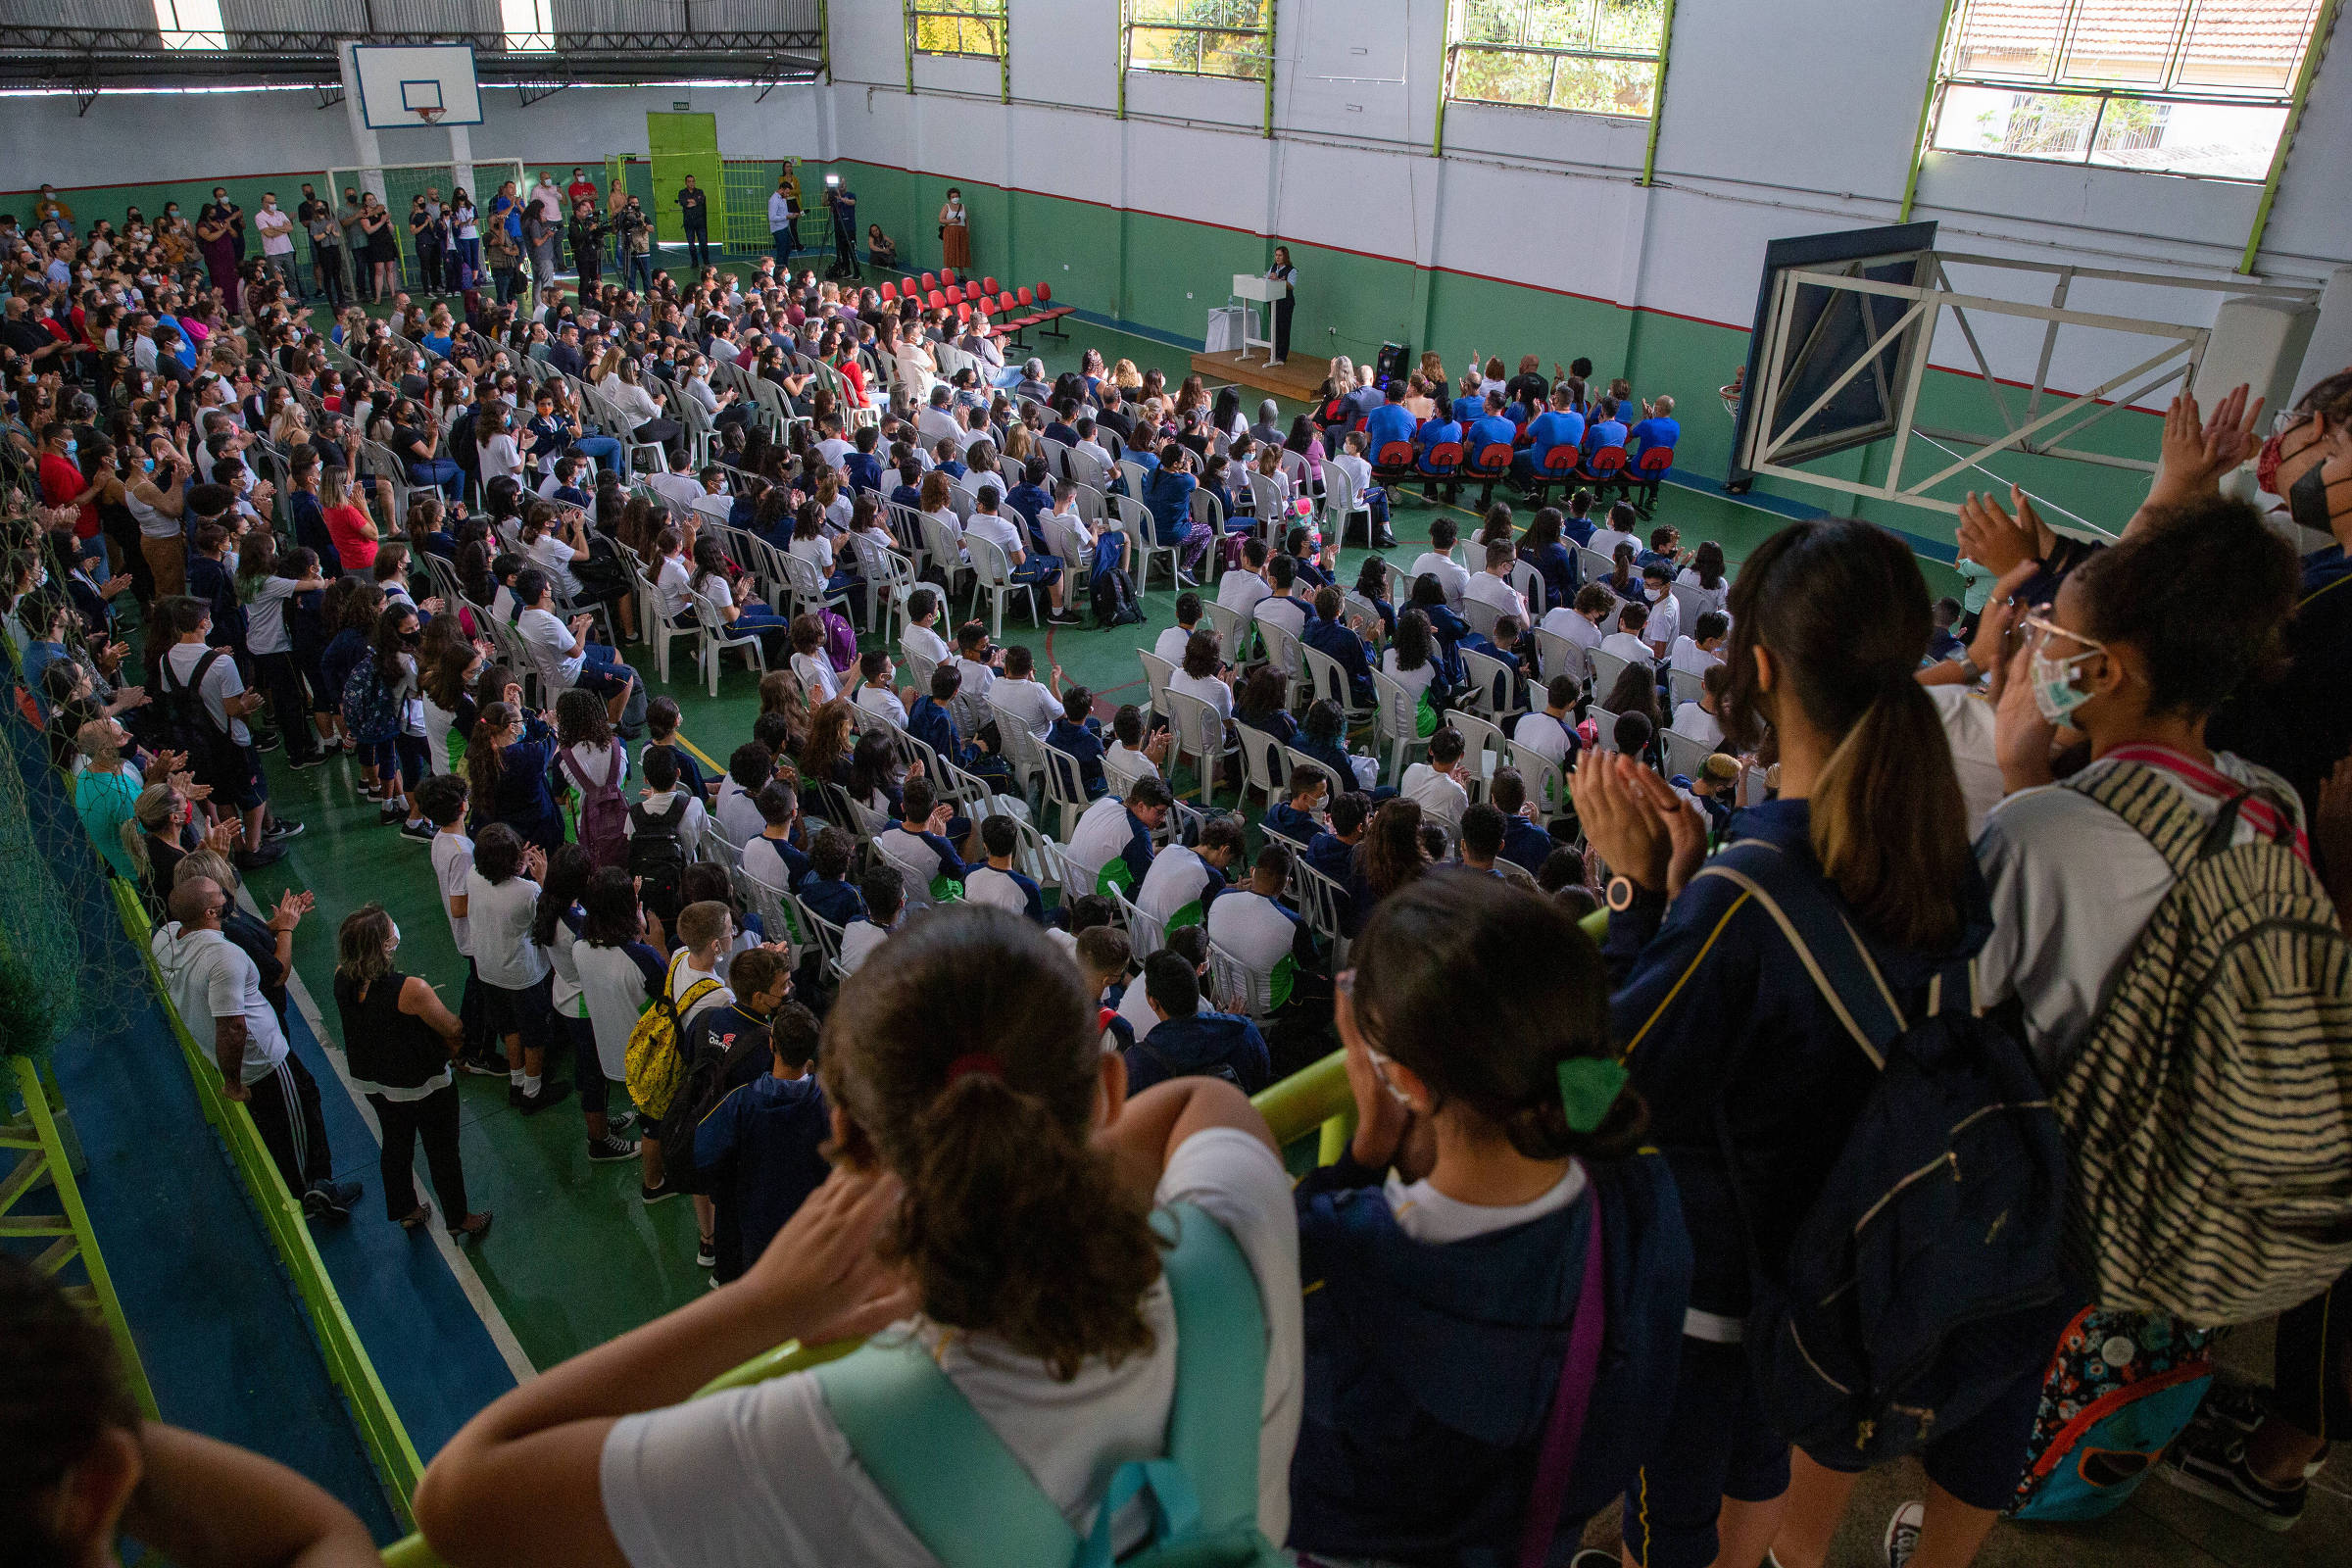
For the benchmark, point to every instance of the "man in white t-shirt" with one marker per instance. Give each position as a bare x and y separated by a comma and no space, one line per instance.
1437,782
678,485
564,656
1252,924
275,226
988,522
1279,608
1493,583
1627,642
1549,734
217,991
233,765
1184,883
921,639
1581,622
1172,642
1239,591
1021,693
1700,649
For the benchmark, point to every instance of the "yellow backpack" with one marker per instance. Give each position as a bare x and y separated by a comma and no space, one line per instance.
656,1062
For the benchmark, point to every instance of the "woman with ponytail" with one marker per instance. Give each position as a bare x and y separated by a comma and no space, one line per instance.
1445,1255
507,758
991,1201
1732,1046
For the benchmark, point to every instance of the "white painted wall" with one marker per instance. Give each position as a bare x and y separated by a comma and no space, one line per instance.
1789,118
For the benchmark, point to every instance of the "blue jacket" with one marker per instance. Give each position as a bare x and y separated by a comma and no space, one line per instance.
1431,1369
1526,845
1335,639
1213,1045
1561,574
865,470
1390,421
760,1144
835,900
930,722
1292,823
1726,1038
1169,496
1084,743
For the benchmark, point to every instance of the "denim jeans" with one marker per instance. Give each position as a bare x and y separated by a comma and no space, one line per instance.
440,473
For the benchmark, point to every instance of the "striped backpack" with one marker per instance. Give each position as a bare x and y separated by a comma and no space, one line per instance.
2209,1108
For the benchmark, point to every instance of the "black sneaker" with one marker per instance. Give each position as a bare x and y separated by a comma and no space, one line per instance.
601,1151
2239,1406
330,1199
269,854
484,1063
281,827
705,1252
1065,617
419,830
655,1195
621,1122
308,760
2212,1464
266,741
548,1095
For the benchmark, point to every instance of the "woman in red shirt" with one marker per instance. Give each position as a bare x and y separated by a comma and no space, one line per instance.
62,482
347,522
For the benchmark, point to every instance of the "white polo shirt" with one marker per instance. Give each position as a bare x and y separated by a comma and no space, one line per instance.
208,978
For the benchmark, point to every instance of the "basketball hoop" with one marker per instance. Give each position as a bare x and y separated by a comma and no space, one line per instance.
1730,394
428,115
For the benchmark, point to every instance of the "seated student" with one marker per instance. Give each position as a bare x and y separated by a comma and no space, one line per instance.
1354,460
1173,640
1699,720
1184,882
1443,428
1437,559
1279,607
1525,844
1462,1279
1298,817
1702,648
772,858
1551,733
1133,1007
996,882
922,841
1619,530
932,719
1102,953
1238,591
1079,733
1665,621
1711,790
920,639
1635,736
885,892
748,769
91,1468
1132,753
1440,782
1332,852
1581,620
1111,844
1028,566
1481,845
667,804
1446,627
1019,691
662,734
1190,1041
1328,634
1943,643
1491,586
1629,642
1665,548
825,888
1265,935
1313,558
758,1150
1032,498
1260,702
876,692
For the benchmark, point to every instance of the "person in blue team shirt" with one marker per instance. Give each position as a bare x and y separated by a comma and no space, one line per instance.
1327,633
862,466
1470,404
1441,430
1558,425
1658,429
1190,1039
1390,421
1606,428
1032,498
1490,429
1294,818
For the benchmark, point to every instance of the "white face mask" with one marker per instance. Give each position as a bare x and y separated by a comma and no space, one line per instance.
2055,694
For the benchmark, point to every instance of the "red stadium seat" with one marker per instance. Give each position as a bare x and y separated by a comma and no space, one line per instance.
1494,463
989,286
1605,466
930,280
963,312
937,300
1393,463
955,294
946,274
1649,474
1440,465
890,292
1558,468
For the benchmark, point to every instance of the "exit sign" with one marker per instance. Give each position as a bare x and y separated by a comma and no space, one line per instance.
681,105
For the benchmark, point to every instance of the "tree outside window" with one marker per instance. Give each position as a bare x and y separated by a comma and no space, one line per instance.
1200,37
1589,57
958,27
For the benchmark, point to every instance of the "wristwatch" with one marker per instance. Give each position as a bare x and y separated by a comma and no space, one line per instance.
1621,893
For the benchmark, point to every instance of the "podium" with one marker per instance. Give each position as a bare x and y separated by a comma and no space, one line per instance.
1264,291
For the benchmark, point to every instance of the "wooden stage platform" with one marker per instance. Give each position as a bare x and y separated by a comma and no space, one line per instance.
1296,378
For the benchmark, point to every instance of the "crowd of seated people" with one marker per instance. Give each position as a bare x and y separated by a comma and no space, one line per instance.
1011,1119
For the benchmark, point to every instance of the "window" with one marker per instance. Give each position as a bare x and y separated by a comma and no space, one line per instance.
957,27
527,26
191,24
2173,86
1201,37
1592,57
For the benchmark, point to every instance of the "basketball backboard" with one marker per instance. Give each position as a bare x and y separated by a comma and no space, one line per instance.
404,86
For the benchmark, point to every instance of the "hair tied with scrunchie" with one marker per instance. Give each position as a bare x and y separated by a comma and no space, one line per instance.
986,1064
1588,1088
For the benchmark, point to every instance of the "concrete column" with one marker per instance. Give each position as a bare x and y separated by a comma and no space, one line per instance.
366,150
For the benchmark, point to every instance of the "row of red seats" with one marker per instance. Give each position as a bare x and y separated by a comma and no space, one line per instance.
1398,463
986,299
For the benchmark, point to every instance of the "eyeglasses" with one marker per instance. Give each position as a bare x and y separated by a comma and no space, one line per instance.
2042,629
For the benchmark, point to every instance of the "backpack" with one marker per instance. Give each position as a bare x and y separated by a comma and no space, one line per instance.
841,642
604,829
368,710
967,1497
188,725
1111,595
705,1068
2120,1389
656,857
1927,1263
2212,1144
655,1064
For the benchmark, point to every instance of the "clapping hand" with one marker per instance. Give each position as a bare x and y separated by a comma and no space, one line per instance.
291,907
222,837
1990,537
534,864
2196,452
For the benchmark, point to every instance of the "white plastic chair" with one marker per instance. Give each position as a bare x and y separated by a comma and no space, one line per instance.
1065,786
1327,678
1200,733
1557,656
1233,632
1485,747
889,576
1606,669
1494,689
1144,935
1684,686
1135,520
1685,756
1157,672
991,575
1265,764
1236,988
1393,721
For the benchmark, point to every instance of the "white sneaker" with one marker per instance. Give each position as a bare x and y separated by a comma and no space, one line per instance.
1902,1534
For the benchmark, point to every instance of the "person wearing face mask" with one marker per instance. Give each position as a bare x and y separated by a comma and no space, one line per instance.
2299,723
954,232
399,1042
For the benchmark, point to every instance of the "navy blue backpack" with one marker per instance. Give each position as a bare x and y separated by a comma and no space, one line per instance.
1921,1282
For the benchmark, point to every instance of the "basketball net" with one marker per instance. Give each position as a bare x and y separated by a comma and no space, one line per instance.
428,115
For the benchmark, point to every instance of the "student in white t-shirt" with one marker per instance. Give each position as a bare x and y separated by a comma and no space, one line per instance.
1491,586
1252,923
1437,782
968,1082
1239,591
1184,883
1438,560
1021,693
876,692
1581,622
1697,720
921,639
1700,649
884,889
1170,642
1629,642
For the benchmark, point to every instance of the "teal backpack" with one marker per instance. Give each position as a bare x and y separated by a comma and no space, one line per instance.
966,1495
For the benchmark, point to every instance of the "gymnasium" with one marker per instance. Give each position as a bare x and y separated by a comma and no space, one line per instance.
1424,783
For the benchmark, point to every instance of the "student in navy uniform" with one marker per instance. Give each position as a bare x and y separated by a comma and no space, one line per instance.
1328,634
826,890
759,1147
1525,844
1444,1277
998,882
861,465
1828,621
1294,818
1078,732
661,735
1190,1041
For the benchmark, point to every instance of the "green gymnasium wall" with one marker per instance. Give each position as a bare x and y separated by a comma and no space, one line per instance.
1133,269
